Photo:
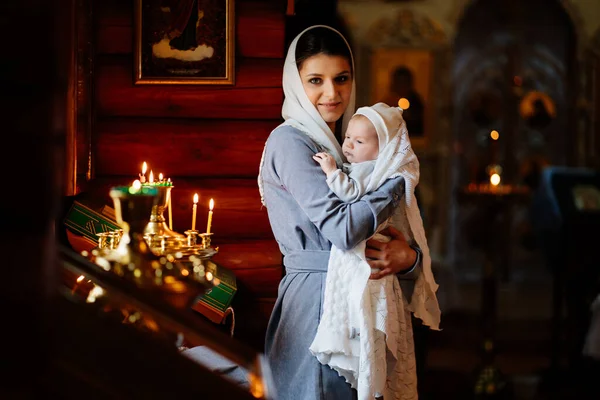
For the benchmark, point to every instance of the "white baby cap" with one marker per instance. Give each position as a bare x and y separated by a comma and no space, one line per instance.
386,119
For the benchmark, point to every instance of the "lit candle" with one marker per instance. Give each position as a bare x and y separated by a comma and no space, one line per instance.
79,280
210,214
151,178
143,174
160,177
194,211
170,193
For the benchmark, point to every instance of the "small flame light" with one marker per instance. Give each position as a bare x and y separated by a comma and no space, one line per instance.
495,179
404,103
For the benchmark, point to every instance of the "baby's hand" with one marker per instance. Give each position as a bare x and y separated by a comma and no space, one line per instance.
326,161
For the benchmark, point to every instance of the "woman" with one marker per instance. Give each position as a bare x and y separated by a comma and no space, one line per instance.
306,218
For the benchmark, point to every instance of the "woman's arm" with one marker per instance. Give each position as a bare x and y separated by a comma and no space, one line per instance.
289,154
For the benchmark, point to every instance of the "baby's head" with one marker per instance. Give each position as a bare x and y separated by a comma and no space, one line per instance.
370,130
361,142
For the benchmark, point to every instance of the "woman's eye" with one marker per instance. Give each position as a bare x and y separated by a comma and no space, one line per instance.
359,141
315,81
342,79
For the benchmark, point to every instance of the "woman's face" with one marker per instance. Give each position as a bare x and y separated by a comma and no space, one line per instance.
327,81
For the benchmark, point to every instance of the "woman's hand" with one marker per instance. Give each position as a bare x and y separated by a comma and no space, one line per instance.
392,257
327,162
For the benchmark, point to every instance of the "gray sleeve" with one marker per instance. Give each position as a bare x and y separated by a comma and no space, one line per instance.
344,187
289,155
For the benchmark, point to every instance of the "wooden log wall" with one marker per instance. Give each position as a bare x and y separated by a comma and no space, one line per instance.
207,139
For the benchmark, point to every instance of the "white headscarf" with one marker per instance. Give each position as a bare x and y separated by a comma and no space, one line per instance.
300,113
298,108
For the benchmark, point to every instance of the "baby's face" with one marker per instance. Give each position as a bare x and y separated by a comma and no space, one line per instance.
361,142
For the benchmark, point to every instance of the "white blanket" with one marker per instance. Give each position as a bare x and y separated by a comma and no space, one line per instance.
365,332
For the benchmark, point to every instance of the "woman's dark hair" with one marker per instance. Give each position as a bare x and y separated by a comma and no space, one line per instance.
321,41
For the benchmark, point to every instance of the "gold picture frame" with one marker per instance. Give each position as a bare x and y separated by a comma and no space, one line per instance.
178,42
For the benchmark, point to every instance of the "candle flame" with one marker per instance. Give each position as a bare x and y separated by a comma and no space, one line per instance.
494,135
168,179
495,179
81,277
195,198
160,176
144,168
136,184
211,204
151,179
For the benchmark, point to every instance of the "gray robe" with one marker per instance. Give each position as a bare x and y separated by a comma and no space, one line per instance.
306,218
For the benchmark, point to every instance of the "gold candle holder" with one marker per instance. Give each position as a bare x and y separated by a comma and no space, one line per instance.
134,260
206,240
158,224
192,237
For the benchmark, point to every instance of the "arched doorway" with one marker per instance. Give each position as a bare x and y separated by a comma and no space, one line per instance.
513,73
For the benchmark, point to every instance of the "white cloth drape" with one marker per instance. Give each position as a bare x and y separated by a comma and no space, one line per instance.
365,332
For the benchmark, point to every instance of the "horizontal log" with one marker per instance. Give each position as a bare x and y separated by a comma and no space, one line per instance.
260,28
257,265
256,95
238,213
249,255
249,73
183,148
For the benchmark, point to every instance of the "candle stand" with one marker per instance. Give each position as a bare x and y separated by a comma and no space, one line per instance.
190,250
498,201
173,267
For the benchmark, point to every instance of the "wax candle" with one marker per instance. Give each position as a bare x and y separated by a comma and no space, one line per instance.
210,214
170,208
194,211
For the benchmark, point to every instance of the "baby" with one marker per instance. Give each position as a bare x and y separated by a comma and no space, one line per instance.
366,320
361,148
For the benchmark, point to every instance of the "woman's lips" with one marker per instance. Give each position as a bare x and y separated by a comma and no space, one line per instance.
329,106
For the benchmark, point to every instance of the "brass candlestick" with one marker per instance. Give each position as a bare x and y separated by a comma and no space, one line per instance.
158,225
134,260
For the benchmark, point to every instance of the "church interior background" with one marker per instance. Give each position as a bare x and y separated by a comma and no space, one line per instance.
498,94
505,84
507,87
